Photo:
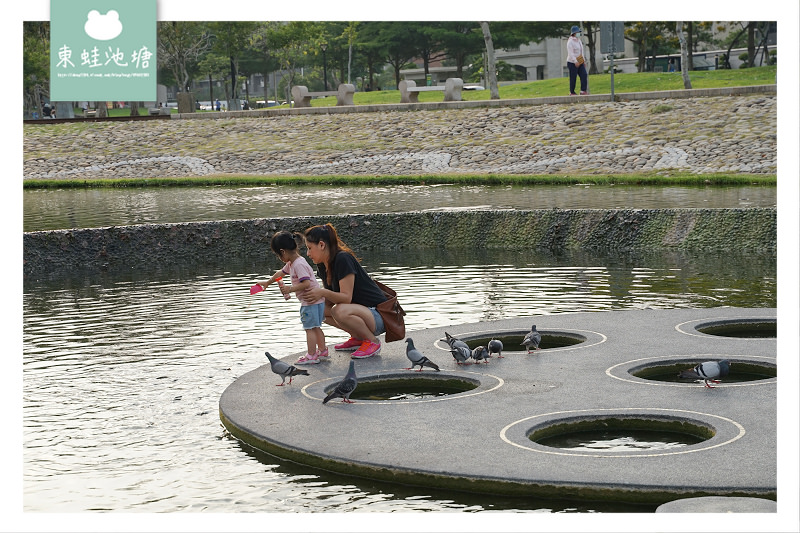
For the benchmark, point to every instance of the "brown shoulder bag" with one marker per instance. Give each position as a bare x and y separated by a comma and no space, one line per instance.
392,314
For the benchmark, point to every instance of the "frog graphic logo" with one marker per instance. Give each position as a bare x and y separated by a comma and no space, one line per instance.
103,27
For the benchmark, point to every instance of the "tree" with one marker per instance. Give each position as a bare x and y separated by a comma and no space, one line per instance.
294,41
230,40
214,66
372,47
264,45
490,72
687,83
400,48
733,42
350,32
514,34
35,64
179,45
461,41
429,47
646,35
589,29
751,43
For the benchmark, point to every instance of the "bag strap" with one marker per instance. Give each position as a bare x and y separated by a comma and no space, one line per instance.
386,290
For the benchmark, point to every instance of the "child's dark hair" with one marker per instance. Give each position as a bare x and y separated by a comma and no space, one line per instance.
283,240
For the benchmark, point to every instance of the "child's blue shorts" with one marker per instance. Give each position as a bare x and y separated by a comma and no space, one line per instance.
312,316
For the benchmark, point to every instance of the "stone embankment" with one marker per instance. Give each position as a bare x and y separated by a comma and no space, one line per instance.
161,245
732,133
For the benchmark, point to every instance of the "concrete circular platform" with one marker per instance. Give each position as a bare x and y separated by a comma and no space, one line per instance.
719,504
478,441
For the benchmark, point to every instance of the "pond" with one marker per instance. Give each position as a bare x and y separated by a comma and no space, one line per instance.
122,374
46,209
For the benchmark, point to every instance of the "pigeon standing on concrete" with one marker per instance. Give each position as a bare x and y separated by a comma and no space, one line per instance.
416,357
345,387
284,369
461,354
496,346
708,371
532,339
480,353
453,342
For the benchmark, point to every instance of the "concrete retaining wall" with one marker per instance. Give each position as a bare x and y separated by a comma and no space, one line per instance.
147,246
467,104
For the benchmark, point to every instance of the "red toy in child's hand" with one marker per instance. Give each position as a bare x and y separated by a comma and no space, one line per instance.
256,288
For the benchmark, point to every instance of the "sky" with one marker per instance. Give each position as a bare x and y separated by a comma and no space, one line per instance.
788,16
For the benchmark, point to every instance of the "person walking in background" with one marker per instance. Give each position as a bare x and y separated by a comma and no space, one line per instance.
312,310
576,63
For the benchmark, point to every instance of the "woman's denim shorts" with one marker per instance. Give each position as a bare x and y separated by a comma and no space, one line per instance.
379,326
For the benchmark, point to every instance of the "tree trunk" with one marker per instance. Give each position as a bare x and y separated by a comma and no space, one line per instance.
349,60
727,58
690,45
370,66
592,46
491,74
102,110
643,49
751,44
687,83
134,109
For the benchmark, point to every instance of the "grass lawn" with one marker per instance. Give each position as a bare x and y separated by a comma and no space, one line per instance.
598,84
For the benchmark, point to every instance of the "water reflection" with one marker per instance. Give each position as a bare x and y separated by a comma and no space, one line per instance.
46,209
122,373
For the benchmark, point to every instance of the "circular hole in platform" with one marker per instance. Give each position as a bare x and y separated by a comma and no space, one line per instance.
740,371
512,342
411,387
622,433
749,328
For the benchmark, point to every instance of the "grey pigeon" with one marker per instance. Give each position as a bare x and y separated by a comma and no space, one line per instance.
461,354
480,353
496,346
708,371
284,370
416,357
345,387
454,342
533,338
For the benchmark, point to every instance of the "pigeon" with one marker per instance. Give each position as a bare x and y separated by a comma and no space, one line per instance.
345,387
532,339
461,354
416,357
496,346
453,342
284,370
708,371
480,353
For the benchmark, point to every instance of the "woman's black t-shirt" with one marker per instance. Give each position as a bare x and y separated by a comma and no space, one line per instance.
365,291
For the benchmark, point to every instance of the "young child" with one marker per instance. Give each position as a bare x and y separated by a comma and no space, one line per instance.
312,313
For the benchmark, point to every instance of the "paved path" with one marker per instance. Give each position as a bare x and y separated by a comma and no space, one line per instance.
477,440
566,135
